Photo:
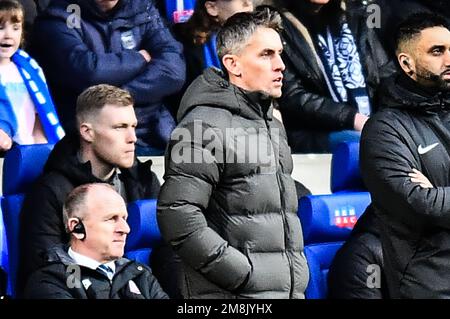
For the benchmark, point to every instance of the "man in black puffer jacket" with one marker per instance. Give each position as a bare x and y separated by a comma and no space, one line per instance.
405,162
92,267
228,205
102,152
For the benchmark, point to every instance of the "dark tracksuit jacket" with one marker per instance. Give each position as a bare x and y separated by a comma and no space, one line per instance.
411,131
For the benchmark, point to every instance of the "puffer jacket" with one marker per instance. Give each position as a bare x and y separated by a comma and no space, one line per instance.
233,221
309,112
131,280
78,46
411,131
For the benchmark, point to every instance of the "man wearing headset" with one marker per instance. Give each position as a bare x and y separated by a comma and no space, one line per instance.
101,151
92,267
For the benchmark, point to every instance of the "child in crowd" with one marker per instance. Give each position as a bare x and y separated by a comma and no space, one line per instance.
27,113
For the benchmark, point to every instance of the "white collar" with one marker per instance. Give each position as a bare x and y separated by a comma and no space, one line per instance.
89,262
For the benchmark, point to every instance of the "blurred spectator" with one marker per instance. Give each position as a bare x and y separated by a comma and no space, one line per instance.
30,12
101,151
119,42
92,267
27,113
334,64
198,34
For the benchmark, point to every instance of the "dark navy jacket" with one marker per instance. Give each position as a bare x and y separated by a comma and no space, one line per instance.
76,53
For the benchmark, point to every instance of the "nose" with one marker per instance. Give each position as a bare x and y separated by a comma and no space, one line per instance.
278,64
123,227
447,57
131,137
7,31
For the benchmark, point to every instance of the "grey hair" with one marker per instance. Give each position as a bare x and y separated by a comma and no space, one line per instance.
237,31
75,202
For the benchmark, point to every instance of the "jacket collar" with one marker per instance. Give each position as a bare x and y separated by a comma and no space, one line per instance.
404,93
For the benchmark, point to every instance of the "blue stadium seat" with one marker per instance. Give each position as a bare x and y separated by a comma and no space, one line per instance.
345,174
327,220
330,218
22,165
179,11
144,232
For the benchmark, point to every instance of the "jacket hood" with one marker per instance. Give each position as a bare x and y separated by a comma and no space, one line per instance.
64,159
213,90
401,92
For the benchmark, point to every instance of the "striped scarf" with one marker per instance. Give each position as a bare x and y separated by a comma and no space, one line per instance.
37,88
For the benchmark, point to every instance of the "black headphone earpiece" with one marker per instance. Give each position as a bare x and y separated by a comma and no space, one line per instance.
406,62
79,229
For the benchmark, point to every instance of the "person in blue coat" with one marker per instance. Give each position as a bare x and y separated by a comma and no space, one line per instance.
122,43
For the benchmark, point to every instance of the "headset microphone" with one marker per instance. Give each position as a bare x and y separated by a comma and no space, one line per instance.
79,229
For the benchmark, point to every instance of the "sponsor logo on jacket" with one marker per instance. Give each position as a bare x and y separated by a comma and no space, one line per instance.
128,40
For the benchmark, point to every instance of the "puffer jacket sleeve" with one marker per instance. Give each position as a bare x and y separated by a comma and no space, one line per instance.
386,160
166,72
62,51
182,207
309,107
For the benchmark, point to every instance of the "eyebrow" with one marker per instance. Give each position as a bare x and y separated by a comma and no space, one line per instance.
434,47
270,50
116,214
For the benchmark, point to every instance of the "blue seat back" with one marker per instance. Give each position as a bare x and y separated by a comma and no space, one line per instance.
319,257
144,233
179,11
345,173
327,221
22,165
328,218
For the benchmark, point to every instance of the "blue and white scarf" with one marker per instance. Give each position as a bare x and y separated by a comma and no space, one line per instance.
37,88
341,59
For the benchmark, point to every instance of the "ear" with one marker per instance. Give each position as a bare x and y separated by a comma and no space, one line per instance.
86,132
71,223
232,64
211,8
407,63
